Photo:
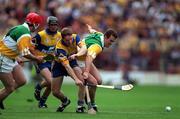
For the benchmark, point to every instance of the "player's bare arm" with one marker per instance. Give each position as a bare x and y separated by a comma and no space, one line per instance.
82,51
90,29
65,62
72,74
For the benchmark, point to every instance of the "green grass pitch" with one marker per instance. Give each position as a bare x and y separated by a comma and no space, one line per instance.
143,102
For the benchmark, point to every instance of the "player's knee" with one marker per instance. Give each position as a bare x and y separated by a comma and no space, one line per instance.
21,83
10,88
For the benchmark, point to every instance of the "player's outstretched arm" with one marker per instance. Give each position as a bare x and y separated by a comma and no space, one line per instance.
82,51
90,29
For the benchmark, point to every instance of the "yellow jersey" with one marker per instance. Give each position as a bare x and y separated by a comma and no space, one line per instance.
45,42
63,51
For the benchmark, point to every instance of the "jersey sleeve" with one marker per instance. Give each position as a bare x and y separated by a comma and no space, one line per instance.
36,40
79,42
24,45
94,50
61,56
77,38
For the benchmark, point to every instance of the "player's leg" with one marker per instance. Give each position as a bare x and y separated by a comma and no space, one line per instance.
81,92
92,90
56,91
92,80
44,70
6,67
95,72
46,74
37,91
9,87
39,86
18,76
42,84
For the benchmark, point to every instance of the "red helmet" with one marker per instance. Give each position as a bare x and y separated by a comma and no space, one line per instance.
33,18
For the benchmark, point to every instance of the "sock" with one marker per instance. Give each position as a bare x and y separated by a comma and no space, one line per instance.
64,100
43,100
80,102
38,87
93,103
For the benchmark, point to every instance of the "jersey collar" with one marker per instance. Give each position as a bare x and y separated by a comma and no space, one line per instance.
26,25
49,32
102,40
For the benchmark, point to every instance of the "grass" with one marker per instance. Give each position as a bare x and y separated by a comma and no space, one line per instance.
143,102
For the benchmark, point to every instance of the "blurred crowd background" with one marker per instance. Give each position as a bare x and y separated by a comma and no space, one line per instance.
149,30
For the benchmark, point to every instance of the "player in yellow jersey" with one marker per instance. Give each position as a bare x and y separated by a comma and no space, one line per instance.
45,42
93,44
64,67
15,44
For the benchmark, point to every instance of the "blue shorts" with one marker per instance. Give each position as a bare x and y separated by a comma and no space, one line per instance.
59,70
41,66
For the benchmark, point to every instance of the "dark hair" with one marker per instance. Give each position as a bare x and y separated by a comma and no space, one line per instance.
66,31
110,32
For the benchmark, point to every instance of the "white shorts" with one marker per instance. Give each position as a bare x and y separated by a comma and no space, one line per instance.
7,64
81,63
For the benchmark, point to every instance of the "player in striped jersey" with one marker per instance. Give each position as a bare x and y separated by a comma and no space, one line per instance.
15,44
